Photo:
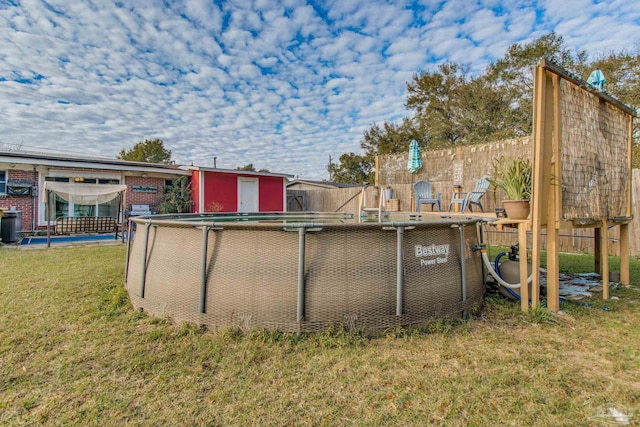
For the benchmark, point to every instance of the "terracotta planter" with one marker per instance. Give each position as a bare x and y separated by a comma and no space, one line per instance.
516,209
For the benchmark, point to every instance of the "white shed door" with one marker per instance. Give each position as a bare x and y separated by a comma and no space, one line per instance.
248,195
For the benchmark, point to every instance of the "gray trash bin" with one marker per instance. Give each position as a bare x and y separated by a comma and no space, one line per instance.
10,226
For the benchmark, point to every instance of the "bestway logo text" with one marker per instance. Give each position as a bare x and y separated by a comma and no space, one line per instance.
432,250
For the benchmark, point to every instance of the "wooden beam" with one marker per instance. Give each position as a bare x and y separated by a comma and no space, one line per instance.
543,131
629,210
523,264
554,204
556,178
604,255
624,255
538,141
553,270
625,279
597,248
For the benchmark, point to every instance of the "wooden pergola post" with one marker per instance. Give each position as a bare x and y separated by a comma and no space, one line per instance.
545,210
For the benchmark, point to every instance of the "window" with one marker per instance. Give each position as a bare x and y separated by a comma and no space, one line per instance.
168,183
3,182
59,208
108,181
63,208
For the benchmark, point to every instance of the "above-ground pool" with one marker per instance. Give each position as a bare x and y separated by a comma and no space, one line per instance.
303,272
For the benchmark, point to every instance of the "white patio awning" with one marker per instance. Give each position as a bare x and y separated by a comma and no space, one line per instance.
83,194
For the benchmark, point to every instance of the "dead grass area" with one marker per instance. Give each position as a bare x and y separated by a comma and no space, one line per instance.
74,352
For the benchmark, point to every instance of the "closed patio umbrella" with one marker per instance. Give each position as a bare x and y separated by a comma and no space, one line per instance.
597,79
414,164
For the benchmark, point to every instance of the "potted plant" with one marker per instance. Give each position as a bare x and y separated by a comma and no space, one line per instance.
514,178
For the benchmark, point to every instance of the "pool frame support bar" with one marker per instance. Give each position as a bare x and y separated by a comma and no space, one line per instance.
126,267
147,226
399,272
463,269
302,234
203,274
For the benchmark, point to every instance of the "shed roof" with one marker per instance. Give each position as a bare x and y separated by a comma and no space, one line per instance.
239,172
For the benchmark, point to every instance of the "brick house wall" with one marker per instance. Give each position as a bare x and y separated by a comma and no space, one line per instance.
27,204
26,171
139,191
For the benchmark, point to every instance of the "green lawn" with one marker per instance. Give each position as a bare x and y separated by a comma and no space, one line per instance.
73,352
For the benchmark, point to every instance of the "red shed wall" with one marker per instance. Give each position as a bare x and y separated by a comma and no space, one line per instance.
271,194
220,192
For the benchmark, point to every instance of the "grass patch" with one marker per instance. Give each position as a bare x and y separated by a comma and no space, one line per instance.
74,352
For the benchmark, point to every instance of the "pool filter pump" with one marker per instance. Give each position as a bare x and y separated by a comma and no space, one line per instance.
509,269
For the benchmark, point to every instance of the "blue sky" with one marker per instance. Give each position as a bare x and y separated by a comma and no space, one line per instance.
280,84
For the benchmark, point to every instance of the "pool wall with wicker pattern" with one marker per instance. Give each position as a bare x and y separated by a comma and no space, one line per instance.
303,273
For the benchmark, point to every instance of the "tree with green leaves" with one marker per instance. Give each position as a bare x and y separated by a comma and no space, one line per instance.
353,168
514,72
452,106
622,71
149,151
177,197
390,138
250,168
456,107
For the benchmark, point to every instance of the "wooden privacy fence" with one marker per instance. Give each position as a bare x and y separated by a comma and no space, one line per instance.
453,166
330,200
577,240
297,201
